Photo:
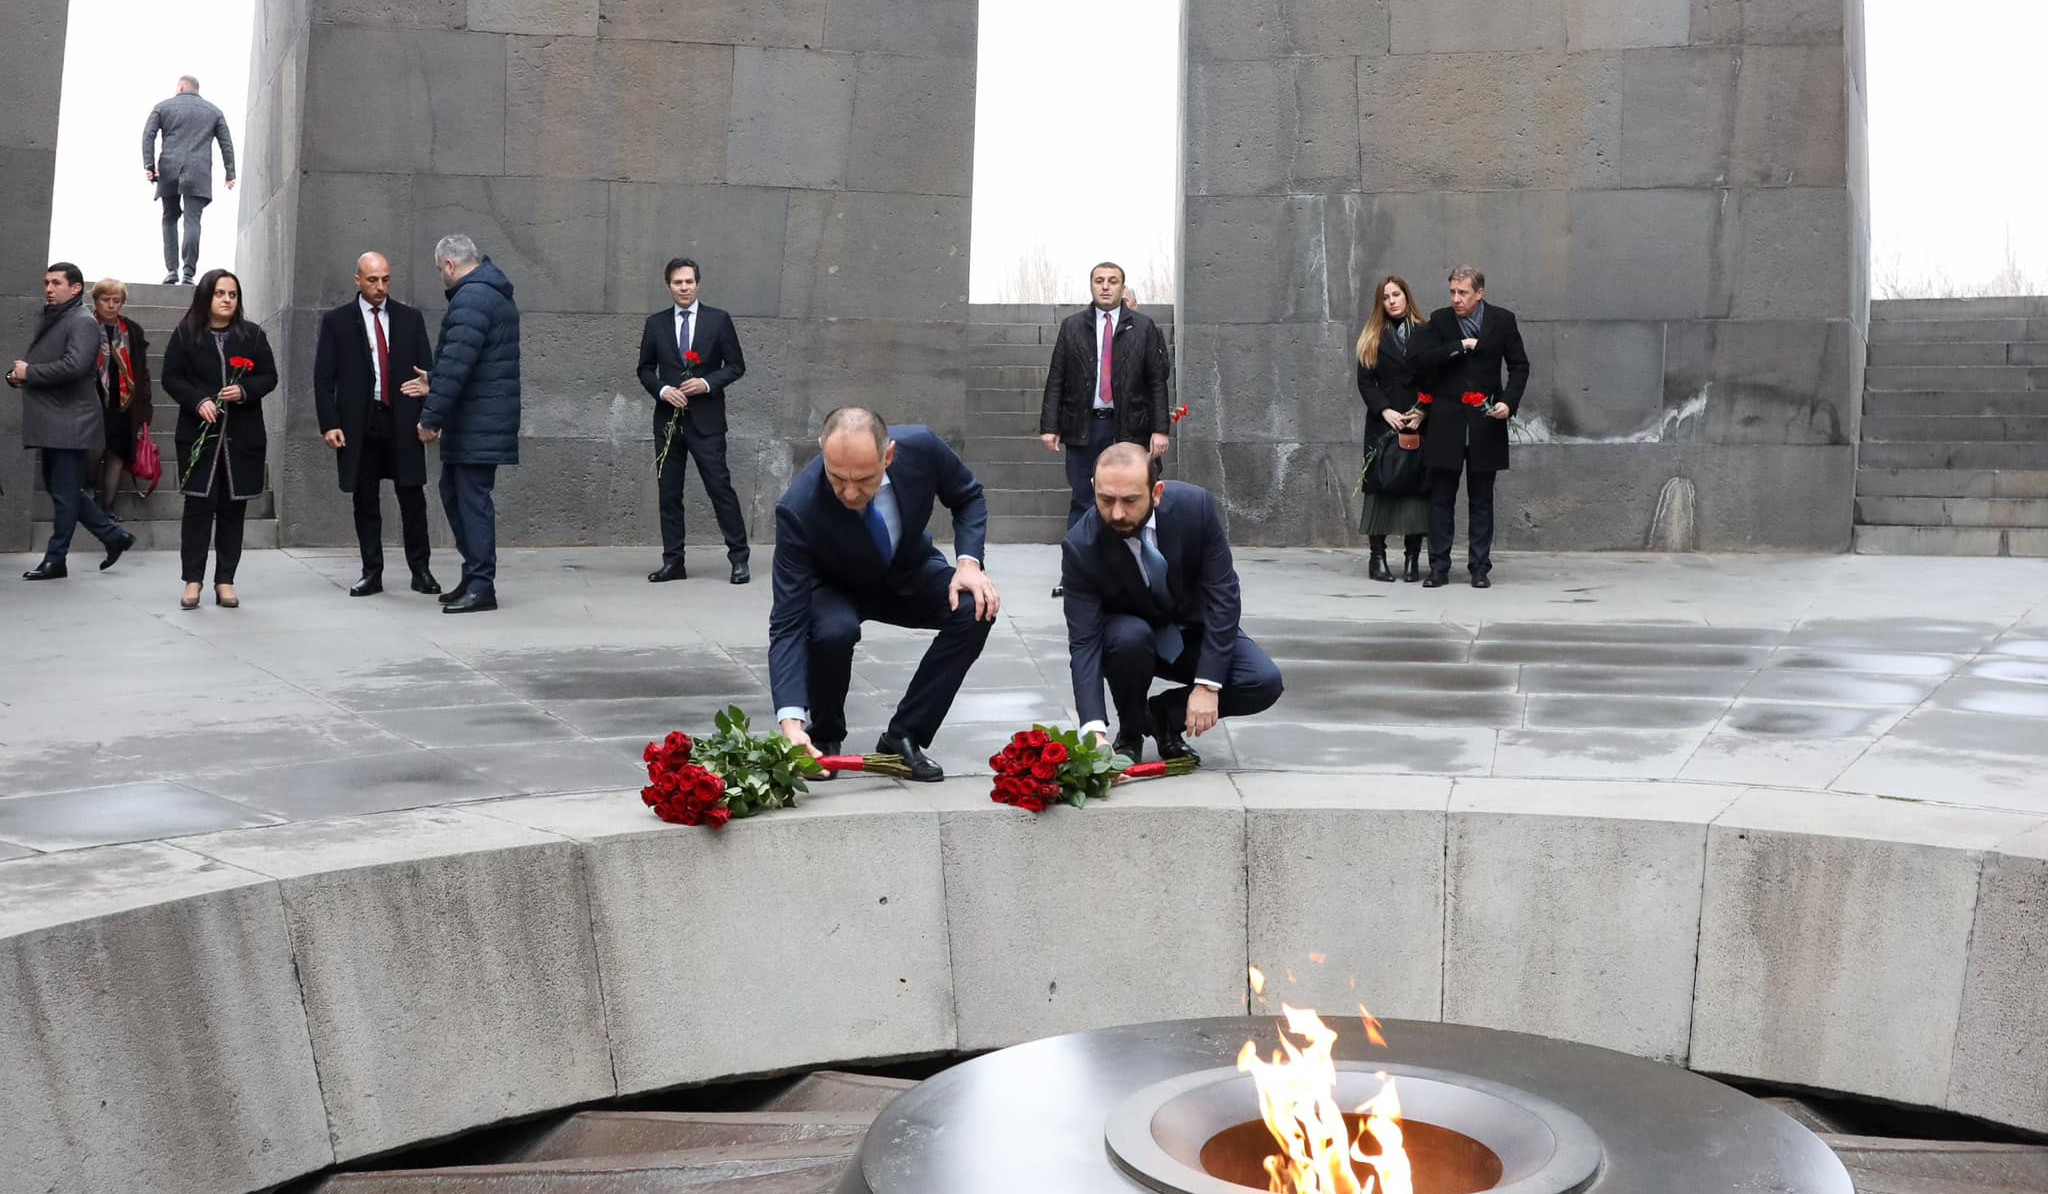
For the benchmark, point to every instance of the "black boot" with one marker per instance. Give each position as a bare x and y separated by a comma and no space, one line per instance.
1413,548
1376,561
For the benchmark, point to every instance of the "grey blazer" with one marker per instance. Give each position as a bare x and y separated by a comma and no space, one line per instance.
60,401
190,126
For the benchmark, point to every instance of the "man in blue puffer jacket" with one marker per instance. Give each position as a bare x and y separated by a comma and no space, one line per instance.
472,405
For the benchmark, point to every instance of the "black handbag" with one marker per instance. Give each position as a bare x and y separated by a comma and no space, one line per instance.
1393,470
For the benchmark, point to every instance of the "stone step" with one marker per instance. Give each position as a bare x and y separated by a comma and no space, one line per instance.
795,1167
996,356
995,449
1952,511
1044,473
156,534
838,1090
155,294
1042,503
1951,378
1896,403
165,505
1942,331
1042,313
1019,377
982,335
1961,352
1027,528
1009,401
2021,307
1006,424
1950,541
1973,483
1980,455
1925,428
1908,1166
627,1133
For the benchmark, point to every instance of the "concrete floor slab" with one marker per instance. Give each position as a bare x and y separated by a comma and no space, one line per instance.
123,813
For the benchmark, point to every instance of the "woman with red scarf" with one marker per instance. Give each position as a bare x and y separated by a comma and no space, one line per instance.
123,374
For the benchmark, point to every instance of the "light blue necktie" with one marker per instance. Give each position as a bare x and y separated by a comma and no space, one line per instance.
878,529
683,341
1166,640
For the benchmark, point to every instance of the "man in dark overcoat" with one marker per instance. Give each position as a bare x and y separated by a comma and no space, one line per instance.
1466,429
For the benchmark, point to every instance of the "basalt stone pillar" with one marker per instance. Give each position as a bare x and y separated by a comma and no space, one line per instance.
31,75
1672,194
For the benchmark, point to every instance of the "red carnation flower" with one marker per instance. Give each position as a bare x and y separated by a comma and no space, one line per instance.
241,363
692,359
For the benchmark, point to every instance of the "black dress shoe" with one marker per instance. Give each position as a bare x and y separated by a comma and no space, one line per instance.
740,575
668,572
826,748
423,582
1479,581
115,549
1059,590
1131,745
371,583
1435,580
471,603
1412,571
1167,734
922,769
171,279
455,594
47,570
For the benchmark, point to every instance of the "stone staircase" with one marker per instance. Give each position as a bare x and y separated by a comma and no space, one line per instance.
1010,346
154,519
1954,452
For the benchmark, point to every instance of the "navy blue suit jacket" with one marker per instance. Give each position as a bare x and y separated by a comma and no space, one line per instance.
1102,578
818,541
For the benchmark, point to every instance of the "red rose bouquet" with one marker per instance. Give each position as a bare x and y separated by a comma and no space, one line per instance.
737,773
680,791
690,362
1045,764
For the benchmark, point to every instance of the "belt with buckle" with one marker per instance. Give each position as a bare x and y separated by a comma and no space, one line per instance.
1103,412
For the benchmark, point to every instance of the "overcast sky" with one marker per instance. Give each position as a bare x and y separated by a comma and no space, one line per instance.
1954,169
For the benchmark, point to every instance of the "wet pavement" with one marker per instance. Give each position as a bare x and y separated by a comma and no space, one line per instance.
123,718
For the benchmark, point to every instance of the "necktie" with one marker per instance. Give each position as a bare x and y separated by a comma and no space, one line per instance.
683,338
383,357
1104,368
1166,641
878,530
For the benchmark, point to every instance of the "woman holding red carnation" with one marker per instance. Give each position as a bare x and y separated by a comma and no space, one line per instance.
217,366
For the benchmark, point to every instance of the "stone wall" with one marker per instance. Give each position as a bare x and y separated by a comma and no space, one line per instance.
815,159
1671,194
31,76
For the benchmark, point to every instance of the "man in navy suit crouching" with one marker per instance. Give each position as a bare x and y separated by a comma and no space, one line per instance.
851,546
1151,591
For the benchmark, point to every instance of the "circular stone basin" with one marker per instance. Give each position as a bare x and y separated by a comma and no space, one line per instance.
1463,1134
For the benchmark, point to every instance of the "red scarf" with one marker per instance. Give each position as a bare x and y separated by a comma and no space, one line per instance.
124,370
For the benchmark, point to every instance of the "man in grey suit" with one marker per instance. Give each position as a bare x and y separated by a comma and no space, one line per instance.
60,413
183,173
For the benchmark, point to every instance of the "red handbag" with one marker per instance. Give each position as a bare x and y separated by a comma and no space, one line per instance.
149,464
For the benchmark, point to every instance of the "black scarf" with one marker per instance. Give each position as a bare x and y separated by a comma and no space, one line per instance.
51,314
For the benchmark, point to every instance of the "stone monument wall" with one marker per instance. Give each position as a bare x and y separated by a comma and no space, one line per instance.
31,76
1672,194
816,159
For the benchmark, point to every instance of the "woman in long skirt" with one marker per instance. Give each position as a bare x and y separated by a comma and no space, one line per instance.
1389,381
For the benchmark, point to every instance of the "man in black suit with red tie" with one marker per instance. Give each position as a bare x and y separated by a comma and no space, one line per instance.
368,378
689,414
1466,427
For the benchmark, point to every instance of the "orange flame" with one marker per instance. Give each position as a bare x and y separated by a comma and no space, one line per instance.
1297,1099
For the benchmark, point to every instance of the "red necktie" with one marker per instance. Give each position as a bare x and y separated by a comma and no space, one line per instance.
383,358
1104,369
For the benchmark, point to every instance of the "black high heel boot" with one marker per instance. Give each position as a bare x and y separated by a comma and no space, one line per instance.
1376,561
1413,548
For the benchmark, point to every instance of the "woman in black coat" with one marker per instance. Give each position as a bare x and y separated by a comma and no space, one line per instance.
125,394
217,366
1389,380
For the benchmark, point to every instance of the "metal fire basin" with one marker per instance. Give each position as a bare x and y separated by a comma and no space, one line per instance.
1049,1116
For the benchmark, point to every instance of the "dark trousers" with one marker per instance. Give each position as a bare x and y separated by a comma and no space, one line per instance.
71,503
191,207
220,518
473,516
373,464
1100,432
836,618
1443,519
708,450
1130,660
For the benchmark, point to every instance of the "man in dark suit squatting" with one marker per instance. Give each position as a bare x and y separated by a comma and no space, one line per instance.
1466,428
851,546
693,394
1151,591
367,386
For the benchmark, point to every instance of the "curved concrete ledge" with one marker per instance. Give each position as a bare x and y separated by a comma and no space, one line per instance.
224,1013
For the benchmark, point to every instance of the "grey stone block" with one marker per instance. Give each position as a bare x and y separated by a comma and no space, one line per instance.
1717,22
1276,127
924,28
112,1084
554,18
585,107
913,125
1765,381
907,371
1218,30
1810,973
1284,382
349,215
1677,116
577,491
577,378
1602,497
1346,889
1275,493
1648,254
1543,120
861,255
425,14
426,947
1257,260
1789,119
32,63
737,22
1471,26
878,929
1521,239
792,113
1605,955
1817,22
1789,265
548,235
1614,24
27,177
440,100
1596,380
733,233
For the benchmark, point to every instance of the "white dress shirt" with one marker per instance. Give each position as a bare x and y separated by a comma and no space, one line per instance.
1101,317
696,322
370,322
1136,543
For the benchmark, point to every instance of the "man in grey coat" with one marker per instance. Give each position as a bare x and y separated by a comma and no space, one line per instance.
183,172
60,413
